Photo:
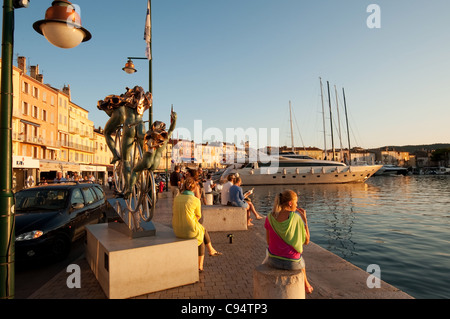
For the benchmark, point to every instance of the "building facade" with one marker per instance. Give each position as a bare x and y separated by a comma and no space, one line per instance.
50,133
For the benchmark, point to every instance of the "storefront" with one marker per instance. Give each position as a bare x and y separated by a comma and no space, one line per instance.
49,168
97,171
25,172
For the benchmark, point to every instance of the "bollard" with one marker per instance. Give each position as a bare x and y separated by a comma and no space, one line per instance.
271,283
230,237
209,199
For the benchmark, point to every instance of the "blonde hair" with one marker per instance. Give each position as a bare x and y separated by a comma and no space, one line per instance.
282,200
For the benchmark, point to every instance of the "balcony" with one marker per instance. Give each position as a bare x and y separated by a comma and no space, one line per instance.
74,130
36,140
80,147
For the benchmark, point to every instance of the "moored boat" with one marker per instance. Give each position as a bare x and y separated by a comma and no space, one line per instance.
301,170
391,170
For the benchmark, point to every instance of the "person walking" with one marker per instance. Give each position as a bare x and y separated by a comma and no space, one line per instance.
110,181
175,181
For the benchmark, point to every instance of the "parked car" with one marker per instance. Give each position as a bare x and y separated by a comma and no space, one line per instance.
49,218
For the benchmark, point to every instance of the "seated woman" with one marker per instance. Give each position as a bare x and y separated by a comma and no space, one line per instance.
286,232
185,221
238,199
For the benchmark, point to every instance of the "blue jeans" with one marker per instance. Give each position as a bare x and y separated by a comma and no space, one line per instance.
285,264
244,204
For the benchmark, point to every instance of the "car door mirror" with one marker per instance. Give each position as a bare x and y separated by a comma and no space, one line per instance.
77,206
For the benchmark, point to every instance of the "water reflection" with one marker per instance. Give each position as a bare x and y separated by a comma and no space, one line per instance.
401,223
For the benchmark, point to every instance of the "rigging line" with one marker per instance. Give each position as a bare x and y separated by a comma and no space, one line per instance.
285,134
299,133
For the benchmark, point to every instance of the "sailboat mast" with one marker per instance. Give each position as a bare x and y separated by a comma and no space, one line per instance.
339,121
323,119
331,120
292,131
348,132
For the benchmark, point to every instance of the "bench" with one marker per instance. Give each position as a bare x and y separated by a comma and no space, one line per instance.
271,283
224,218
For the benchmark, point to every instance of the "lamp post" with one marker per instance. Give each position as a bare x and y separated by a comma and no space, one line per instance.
129,68
61,15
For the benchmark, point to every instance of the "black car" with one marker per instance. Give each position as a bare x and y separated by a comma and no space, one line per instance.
49,218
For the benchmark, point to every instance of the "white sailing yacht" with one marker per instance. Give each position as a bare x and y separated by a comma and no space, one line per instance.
290,168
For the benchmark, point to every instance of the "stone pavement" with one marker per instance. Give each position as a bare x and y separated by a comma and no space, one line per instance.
230,276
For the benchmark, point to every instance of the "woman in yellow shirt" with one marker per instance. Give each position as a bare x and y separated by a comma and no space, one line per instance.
185,221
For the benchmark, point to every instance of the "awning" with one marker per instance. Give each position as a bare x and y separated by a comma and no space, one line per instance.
25,162
188,159
92,168
31,123
49,165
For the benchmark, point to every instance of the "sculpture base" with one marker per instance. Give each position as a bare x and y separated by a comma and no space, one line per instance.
126,224
146,229
128,268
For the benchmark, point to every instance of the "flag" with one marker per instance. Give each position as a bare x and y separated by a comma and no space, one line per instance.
148,32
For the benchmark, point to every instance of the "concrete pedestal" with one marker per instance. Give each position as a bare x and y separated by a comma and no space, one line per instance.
209,199
224,218
127,267
271,283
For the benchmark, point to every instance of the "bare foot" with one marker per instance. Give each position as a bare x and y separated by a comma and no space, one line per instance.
308,288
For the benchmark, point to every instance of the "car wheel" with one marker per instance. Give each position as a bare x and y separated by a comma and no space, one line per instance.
60,247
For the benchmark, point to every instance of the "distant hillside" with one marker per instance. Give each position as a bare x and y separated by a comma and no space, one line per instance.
414,148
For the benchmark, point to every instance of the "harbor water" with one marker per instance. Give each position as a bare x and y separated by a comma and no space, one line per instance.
400,223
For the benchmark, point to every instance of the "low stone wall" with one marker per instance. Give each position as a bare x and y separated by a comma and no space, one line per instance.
224,218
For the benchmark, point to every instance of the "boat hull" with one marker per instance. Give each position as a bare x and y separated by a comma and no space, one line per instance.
316,175
391,170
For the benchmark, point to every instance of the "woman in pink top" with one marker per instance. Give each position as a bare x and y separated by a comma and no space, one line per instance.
286,232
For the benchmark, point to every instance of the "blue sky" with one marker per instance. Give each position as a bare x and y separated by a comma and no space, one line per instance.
238,63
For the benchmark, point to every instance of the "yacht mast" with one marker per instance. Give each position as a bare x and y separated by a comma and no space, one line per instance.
339,122
348,132
292,131
331,120
323,119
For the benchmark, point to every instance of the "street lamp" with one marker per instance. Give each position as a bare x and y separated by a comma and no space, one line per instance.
129,68
62,26
7,218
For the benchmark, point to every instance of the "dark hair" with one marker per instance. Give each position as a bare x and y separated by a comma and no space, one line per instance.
231,178
193,173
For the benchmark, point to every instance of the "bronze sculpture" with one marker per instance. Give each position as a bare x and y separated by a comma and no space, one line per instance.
139,152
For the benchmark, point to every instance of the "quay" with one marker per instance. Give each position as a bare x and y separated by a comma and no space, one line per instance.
230,276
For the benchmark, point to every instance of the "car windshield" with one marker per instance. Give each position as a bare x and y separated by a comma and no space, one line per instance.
41,199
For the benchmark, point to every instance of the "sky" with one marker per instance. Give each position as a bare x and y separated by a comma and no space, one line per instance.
230,65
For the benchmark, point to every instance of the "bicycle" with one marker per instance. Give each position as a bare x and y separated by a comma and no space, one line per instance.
142,199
